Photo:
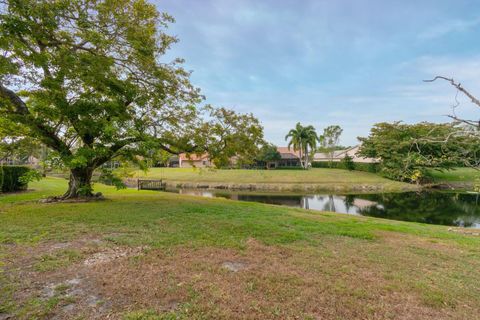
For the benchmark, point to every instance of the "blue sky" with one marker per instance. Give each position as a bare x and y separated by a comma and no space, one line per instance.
347,62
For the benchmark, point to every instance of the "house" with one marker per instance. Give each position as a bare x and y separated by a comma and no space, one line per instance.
339,155
173,162
27,161
194,160
288,158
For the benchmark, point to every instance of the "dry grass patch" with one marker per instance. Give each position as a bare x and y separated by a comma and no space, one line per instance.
341,278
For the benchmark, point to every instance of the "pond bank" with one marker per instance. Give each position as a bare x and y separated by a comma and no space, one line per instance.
286,187
293,187
452,185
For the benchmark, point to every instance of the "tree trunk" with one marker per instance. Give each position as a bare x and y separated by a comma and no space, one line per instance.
80,183
306,157
301,157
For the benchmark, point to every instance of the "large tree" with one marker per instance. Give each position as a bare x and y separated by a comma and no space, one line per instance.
407,151
88,80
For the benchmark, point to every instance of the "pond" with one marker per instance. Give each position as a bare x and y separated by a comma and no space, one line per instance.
433,207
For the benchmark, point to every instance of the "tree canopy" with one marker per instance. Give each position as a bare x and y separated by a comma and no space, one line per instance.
268,152
88,80
407,151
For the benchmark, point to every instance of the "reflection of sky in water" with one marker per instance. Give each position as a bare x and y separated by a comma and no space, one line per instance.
428,207
336,204
206,194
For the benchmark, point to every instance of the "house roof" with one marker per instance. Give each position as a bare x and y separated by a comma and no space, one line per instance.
287,153
336,154
193,157
340,154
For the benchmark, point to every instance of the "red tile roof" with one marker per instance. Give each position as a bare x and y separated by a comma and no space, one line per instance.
285,150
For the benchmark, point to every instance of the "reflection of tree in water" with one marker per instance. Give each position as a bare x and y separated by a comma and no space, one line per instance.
305,204
286,200
427,207
349,200
331,203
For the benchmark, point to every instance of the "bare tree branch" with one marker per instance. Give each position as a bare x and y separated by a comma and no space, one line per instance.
459,88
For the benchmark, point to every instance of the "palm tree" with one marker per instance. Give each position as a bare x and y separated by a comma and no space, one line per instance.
296,140
309,141
301,139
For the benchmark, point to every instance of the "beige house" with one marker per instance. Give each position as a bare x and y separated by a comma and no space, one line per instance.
194,160
339,155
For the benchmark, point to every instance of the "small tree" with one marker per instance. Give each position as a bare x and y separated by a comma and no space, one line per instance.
348,163
267,153
330,139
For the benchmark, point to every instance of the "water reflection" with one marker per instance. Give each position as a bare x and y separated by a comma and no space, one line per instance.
454,209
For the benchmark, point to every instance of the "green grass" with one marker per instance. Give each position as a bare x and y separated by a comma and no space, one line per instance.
319,176
438,269
207,221
61,258
456,175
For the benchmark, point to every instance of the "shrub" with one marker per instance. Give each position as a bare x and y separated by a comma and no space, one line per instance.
11,178
358,166
348,163
110,178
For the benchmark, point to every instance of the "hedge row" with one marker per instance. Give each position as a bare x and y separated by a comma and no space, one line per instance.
359,166
10,178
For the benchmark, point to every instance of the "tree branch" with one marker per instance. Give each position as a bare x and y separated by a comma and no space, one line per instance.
20,106
459,88
48,135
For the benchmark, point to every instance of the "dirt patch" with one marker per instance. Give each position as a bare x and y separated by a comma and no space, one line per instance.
74,296
111,254
470,232
69,290
234,266
59,199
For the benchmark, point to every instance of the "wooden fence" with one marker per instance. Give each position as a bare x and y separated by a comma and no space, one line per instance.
150,185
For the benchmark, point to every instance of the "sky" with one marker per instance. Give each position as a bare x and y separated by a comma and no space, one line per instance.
321,62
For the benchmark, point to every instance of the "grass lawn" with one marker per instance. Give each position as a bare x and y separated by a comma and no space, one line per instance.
153,255
318,176
457,175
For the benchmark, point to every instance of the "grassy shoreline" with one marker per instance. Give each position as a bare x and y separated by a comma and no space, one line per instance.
154,255
313,180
